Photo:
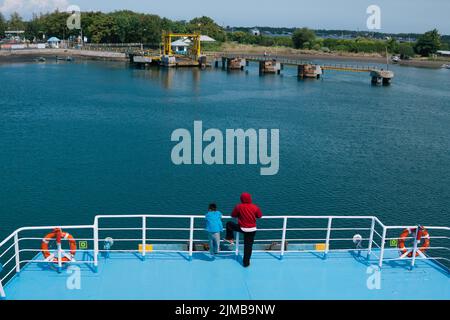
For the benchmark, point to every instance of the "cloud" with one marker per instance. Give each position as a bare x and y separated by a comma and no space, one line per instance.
28,7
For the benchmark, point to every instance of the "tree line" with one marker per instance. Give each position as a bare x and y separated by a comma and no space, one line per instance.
116,27
425,45
126,26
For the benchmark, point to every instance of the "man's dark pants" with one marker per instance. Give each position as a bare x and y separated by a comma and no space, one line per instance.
249,238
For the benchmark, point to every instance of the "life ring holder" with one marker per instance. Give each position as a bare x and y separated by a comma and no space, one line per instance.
422,233
58,235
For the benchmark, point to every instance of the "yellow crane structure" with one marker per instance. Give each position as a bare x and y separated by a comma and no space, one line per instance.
195,49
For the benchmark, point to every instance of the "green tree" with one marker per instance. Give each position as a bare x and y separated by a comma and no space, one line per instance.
151,29
126,27
207,26
34,28
55,25
3,25
102,29
174,26
405,50
303,36
428,43
15,22
392,44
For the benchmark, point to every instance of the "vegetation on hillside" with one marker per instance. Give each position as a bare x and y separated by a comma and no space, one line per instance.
126,26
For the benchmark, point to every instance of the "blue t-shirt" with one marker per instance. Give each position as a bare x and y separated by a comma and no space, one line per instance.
214,221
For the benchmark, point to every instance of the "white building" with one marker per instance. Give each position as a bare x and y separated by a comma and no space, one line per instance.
181,46
443,53
53,42
255,32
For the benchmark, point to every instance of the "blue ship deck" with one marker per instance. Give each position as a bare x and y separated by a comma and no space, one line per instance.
343,275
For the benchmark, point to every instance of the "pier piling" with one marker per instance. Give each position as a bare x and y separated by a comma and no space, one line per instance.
269,66
309,71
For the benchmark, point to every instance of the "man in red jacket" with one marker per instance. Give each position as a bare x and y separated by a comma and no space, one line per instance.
247,213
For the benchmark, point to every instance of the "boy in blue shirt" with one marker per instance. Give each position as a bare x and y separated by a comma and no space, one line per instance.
214,227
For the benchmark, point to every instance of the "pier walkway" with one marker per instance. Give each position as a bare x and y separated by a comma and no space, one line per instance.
297,62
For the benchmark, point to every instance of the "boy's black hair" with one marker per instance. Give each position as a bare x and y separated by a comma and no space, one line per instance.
212,206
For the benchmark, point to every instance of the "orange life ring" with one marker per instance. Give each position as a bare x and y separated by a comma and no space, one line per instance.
421,234
59,235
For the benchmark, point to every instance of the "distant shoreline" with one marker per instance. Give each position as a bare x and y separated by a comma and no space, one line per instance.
30,55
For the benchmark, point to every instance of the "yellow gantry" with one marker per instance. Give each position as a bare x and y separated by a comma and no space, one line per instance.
167,42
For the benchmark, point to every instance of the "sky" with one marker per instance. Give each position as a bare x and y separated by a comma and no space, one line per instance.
397,16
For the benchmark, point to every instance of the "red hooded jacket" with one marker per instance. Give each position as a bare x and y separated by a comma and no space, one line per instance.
246,212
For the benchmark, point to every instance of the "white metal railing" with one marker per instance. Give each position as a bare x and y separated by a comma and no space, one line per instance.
15,254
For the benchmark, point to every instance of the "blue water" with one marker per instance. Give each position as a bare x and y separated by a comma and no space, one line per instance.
80,139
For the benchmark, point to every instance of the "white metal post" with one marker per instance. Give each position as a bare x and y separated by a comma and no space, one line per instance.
17,251
59,257
95,244
283,237
327,244
2,291
383,240
414,252
372,230
236,250
144,233
191,237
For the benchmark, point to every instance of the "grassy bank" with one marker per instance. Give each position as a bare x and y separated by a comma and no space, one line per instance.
30,55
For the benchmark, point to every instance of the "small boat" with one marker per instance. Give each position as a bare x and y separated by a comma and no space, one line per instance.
40,59
446,66
69,58
395,59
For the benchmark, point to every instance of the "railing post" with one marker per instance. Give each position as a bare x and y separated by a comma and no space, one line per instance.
414,252
383,240
283,237
191,237
59,257
17,251
327,243
96,244
372,230
2,291
144,235
236,250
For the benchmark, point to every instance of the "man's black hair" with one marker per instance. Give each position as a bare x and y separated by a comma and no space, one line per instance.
212,207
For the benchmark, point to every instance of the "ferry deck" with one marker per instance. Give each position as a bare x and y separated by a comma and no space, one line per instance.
371,269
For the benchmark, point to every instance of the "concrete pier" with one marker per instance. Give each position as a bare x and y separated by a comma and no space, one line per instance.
202,62
168,61
233,63
269,66
383,77
309,71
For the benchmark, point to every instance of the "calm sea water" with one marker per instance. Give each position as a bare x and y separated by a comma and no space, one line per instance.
80,139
